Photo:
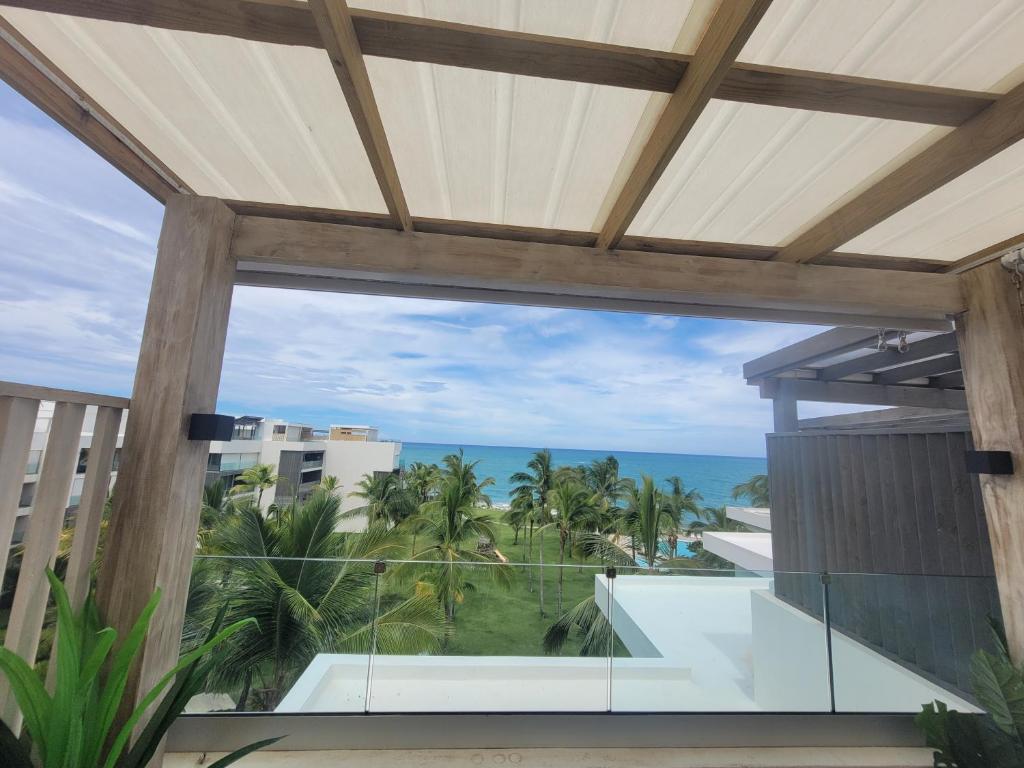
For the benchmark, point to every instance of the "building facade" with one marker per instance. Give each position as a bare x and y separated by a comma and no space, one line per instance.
301,455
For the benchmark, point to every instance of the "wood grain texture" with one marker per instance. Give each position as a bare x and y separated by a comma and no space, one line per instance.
939,344
991,335
571,237
33,392
95,490
17,422
288,22
864,394
334,23
30,73
726,34
334,250
151,539
40,548
820,346
989,132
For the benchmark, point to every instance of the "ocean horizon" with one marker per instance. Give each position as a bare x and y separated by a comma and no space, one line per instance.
713,476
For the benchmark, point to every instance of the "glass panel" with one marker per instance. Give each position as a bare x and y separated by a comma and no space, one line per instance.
499,652
704,640
899,642
308,650
34,459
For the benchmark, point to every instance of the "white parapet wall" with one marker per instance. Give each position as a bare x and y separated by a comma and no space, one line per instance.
758,518
747,551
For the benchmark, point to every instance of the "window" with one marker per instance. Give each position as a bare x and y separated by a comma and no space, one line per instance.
83,460
34,459
28,493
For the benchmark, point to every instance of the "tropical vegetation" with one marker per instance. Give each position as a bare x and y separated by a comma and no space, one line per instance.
76,726
993,739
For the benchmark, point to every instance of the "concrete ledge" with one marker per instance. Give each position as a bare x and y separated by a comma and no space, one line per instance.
802,757
225,732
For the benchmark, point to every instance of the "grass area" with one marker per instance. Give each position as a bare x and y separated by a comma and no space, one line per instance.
494,621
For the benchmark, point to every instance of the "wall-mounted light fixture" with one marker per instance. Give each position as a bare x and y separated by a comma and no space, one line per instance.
210,426
989,462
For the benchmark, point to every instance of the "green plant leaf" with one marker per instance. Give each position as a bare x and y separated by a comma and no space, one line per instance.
238,754
117,678
126,730
1000,691
12,753
31,696
64,731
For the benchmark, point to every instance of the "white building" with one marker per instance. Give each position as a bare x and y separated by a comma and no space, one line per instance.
300,454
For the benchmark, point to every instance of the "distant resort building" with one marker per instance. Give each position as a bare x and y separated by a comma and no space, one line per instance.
301,455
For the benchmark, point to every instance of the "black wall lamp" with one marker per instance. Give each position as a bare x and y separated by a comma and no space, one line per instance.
210,426
989,462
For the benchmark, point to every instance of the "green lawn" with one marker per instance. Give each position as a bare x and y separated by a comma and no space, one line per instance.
494,621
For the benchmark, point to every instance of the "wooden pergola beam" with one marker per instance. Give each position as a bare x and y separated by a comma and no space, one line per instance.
919,350
809,350
334,23
30,73
727,32
290,248
854,393
571,237
921,370
983,136
286,22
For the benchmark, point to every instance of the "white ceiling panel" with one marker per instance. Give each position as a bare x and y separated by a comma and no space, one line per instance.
653,24
232,118
754,174
500,148
973,44
983,207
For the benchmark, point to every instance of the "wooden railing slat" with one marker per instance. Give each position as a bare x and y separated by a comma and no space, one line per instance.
17,422
41,539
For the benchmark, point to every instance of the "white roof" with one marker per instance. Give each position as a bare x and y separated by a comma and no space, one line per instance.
265,122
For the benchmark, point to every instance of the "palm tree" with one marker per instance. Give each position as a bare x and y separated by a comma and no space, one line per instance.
257,478
755,490
573,510
451,526
422,479
602,478
386,499
648,518
684,504
301,580
531,489
330,483
218,505
518,515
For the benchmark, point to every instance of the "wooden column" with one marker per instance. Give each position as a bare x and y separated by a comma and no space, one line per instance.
784,412
151,538
991,335
17,421
41,539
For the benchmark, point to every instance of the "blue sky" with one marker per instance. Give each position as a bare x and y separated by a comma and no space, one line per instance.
76,255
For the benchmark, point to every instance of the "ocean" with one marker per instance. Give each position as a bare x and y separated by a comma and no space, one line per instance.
713,476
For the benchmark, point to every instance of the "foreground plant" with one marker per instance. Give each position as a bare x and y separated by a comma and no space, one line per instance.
74,728
994,739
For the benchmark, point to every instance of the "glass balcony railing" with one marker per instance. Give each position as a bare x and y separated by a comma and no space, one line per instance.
480,635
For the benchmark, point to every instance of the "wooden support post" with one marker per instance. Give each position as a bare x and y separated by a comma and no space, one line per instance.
48,508
151,535
17,421
991,335
784,412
